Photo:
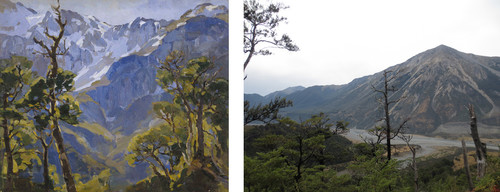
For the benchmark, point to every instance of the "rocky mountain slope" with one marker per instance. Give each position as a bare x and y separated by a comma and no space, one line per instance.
437,84
116,71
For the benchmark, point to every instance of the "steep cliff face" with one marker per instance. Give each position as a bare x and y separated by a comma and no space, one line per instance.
437,85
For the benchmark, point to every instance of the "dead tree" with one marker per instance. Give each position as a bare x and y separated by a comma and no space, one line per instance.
467,168
379,134
413,149
385,101
480,147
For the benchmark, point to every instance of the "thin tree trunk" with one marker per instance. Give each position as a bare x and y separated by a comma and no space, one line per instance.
387,117
46,177
467,168
52,53
414,165
8,151
66,168
480,147
57,134
2,155
200,153
250,54
415,172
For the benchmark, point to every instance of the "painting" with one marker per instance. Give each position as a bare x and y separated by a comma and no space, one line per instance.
114,95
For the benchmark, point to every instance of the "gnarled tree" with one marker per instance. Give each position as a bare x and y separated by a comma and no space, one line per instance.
480,147
190,138
15,74
265,113
260,25
50,93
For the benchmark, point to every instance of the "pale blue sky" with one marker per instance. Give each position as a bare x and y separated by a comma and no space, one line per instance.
123,11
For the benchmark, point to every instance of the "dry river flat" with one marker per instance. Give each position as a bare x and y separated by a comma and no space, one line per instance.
429,145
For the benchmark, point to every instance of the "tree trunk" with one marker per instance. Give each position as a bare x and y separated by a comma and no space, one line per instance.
46,177
200,153
467,168
248,58
68,178
8,151
415,169
52,53
387,117
480,147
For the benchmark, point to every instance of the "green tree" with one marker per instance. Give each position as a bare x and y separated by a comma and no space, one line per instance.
374,173
265,113
187,148
161,149
290,160
51,94
96,183
15,74
260,25
44,134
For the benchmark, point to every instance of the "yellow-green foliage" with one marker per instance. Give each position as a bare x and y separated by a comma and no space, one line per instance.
22,160
97,129
156,144
79,139
224,17
185,147
53,174
84,98
97,183
23,157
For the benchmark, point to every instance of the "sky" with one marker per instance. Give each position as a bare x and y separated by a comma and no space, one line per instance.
343,40
117,12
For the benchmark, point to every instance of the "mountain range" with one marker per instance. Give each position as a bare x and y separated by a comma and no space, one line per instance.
116,73
436,86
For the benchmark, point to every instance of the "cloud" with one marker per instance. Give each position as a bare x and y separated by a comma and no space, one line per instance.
344,40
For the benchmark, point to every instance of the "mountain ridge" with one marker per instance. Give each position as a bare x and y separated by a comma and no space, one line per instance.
438,83
116,75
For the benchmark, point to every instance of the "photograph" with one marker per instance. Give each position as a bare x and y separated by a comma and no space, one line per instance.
114,95
371,95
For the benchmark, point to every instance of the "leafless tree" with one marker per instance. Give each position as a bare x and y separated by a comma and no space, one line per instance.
467,168
385,100
480,147
413,149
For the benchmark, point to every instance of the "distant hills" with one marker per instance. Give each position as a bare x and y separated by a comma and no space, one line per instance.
116,74
438,84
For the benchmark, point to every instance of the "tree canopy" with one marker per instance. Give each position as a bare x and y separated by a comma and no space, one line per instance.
260,24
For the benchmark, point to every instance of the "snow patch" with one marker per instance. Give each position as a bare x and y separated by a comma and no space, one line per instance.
35,19
141,23
78,22
98,75
211,7
181,24
81,73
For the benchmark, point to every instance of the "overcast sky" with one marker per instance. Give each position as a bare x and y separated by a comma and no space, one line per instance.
123,11
343,40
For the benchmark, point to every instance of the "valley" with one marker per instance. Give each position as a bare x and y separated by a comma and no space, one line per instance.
429,145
